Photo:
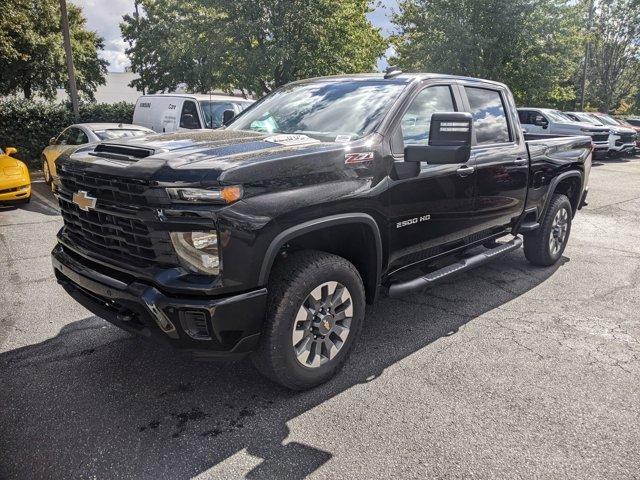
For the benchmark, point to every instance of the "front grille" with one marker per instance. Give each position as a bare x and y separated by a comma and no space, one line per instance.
627,138
114,228
600,137
112,189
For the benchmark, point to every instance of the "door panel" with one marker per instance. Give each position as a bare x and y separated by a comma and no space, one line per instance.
436,207
428,211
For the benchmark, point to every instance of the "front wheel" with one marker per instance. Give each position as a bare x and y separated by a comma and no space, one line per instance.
545,245
314,315
48,179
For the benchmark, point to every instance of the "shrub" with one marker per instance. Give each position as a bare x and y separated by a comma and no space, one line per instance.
28,125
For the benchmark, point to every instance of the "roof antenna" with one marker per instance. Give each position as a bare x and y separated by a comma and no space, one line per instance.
391,72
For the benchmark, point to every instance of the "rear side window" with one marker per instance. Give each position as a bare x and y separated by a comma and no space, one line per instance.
489,118
416,121
189,117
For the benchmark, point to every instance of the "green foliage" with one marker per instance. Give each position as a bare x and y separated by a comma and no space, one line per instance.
614,67
251,45
32,54
28,125
531,45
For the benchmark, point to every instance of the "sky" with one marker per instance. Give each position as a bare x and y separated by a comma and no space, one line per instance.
104,17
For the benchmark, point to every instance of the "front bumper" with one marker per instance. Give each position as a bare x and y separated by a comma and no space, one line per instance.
15,193
208,327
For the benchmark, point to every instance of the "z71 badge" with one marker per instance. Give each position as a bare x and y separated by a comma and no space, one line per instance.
413,221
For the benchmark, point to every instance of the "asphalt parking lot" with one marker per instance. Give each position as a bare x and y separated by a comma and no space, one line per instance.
509,371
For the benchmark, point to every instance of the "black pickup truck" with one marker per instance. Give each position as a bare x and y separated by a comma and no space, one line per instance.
270,235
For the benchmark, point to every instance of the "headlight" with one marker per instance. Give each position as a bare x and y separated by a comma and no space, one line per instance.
202,195
198,250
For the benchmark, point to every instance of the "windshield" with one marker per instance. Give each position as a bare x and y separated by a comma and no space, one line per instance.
214,109
587,119
557,116
112,133
607,120
344,108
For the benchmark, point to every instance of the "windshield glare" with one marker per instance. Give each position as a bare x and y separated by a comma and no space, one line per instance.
111,134
558,117
347,108
607,120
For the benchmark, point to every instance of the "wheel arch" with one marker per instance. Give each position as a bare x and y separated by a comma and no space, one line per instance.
364,249
568,183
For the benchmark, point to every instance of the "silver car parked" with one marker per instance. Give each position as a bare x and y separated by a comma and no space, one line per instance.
554,122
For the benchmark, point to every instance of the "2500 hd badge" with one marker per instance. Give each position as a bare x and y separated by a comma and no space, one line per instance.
278,228
413,221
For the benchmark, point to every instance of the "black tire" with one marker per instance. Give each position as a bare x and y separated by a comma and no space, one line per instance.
537,244
46,171
291,283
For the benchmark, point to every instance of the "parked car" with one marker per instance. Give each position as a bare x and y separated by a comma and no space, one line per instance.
623,138
164,113
270,235
15,182
633,121
81,134
628,123
554,122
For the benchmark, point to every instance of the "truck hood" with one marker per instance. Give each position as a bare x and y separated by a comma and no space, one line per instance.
205,156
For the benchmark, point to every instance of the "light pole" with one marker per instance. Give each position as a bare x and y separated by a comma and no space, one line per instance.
587,49
73,90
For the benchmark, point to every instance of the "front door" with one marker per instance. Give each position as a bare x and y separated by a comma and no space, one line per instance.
434,210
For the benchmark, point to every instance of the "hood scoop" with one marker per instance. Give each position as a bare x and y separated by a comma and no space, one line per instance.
121,152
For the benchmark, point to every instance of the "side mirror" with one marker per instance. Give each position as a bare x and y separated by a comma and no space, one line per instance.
10,151
541,121
449,140
227,116
52,141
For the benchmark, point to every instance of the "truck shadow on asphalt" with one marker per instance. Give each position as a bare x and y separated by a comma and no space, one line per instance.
94,401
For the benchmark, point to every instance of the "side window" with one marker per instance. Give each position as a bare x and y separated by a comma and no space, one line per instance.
489,118
71,136
416,121
525,117
63,138
81,138
189,116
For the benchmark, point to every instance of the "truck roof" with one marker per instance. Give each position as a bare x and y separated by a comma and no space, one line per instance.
402,78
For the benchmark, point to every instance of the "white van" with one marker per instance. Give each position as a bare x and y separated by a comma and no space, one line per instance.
170,112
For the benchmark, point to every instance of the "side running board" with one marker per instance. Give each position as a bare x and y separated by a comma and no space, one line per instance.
402,288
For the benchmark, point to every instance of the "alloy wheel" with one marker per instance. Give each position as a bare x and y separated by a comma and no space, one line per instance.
559,229
322,324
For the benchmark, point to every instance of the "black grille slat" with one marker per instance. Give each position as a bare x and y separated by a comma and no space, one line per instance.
600,137
106,188
113,228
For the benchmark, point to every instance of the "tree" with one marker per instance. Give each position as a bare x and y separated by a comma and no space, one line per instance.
251,45
32,54
531,45
614,67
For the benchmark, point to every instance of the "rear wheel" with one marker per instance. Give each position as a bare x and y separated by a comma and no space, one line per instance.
314,315
545,245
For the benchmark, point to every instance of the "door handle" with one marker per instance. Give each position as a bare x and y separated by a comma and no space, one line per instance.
465,170
520,162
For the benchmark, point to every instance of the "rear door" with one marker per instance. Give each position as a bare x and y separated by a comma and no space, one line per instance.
498,155
429,212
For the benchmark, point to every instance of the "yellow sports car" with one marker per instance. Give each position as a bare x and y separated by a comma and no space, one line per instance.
15,182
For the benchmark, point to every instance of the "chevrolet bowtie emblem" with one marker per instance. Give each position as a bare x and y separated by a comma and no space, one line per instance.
84,201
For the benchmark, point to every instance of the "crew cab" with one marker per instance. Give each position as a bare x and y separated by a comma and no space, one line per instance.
268,236
554,122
